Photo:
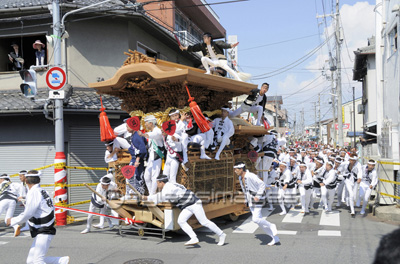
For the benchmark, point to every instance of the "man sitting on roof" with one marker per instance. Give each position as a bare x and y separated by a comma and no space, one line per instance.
213,54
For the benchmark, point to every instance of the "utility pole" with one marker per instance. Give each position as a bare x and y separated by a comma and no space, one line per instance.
319,118
338,75
315,118
354,116
334,112
294,126
302,124
60,175
276,112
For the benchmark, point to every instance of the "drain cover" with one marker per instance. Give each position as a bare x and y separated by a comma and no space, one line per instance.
144,261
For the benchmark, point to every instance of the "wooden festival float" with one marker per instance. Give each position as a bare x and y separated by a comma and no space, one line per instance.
148,86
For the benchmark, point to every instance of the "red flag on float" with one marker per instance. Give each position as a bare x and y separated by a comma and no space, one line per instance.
197,114
106,131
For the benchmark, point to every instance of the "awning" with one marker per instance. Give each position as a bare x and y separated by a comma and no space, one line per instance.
358,134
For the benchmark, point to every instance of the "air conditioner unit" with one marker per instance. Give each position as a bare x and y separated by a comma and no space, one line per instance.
361,109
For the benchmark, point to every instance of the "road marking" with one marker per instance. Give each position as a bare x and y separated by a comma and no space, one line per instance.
3,242
248,226
330,219
287,232
329,233
293,216
11,235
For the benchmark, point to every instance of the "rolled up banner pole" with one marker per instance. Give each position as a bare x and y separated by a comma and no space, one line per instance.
93,213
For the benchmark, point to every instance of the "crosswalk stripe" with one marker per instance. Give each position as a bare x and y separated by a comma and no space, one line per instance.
248,226
11,235
330,219
3,242
287,232
293,216
329,233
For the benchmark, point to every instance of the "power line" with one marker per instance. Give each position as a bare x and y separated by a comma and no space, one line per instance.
293,64
279,42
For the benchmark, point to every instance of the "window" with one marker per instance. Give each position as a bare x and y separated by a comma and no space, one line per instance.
146,50
180,22
26,53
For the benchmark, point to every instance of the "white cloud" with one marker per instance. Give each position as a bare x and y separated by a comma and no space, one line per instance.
358,23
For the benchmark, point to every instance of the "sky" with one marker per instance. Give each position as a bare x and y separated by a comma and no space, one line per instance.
274,34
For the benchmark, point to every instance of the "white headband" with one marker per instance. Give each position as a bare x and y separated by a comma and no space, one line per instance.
354,158
283,163
293,159
330,163
239,166
150,118
226,109
303,164
34,175
176,112
371,163
4,176
320,161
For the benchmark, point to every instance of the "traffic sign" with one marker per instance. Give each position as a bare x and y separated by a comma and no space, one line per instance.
56,78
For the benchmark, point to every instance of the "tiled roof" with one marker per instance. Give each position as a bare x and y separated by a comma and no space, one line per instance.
80,98
6,4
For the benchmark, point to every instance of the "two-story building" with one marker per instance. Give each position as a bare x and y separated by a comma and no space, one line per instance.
92,48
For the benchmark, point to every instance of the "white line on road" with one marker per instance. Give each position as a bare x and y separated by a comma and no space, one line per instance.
3,243
248,226
293,216
330,219
287,232
329,233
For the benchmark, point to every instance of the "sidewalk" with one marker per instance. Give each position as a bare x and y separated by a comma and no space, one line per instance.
387,212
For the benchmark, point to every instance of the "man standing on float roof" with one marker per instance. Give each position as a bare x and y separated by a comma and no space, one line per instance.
213,54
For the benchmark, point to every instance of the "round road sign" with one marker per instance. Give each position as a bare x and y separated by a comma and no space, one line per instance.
56,78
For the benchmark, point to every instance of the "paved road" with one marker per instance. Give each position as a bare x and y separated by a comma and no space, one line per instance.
315,238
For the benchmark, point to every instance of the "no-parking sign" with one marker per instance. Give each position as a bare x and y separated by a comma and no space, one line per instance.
56,78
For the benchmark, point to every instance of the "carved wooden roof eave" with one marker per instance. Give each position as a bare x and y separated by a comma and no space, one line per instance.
161,75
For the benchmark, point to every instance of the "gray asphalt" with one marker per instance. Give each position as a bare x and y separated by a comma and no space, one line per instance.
357,243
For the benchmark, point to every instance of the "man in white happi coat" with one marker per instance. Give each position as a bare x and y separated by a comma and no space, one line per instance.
352,173
9,192
105,188
156,149
269,178
304,182
190,205
23,191
328,186
254,103
254,191
284,176
39,211
317,174
175,114
368,182
223,131
173,145
340,187
213,54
